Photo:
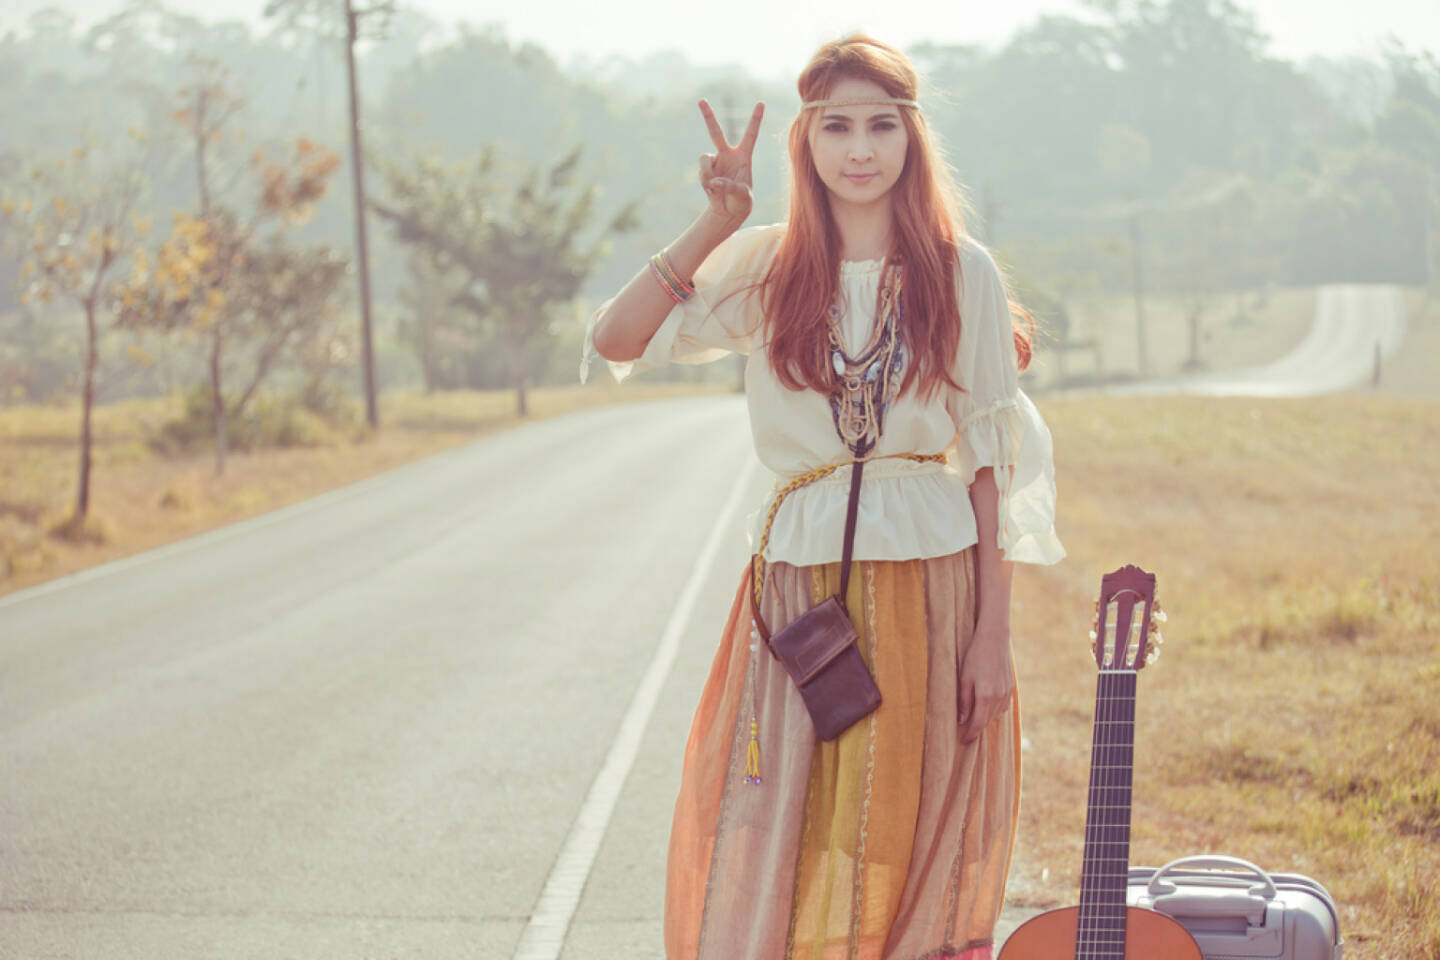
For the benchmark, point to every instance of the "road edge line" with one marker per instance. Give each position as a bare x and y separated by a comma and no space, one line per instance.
544,935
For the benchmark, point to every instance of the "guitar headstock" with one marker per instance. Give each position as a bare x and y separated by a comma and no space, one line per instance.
1126,632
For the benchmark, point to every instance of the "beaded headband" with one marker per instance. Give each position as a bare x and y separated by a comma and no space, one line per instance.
898,101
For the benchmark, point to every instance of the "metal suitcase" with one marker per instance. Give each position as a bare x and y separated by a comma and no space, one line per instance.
1237,911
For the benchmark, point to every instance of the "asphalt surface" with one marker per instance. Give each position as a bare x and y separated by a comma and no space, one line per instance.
363,727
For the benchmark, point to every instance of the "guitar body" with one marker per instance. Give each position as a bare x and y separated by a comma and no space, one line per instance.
1148,936
1125,638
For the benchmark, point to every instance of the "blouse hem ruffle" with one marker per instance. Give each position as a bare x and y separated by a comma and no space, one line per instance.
901,516
1011,437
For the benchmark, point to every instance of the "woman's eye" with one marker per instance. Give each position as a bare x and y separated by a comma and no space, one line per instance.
841,128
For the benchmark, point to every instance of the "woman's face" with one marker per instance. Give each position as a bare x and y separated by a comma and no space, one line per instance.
866,138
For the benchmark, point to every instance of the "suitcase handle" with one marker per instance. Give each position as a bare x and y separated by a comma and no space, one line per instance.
1159,887
1246,905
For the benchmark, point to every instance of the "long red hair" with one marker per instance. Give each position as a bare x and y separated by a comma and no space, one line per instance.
803,278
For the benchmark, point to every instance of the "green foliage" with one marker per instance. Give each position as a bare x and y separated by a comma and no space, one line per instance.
509,247
318,415
214,279
329,401
445,341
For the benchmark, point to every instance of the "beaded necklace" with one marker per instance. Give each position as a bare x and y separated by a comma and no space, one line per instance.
867,384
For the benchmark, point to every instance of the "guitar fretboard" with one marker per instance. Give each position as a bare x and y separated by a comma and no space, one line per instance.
1101,932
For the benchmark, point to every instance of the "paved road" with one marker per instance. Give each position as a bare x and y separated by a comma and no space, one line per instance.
363,727
1353,324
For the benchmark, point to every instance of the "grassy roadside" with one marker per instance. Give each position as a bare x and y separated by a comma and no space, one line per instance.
1292,718
141,500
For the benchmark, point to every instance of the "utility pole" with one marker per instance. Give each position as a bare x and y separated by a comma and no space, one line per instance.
352,17
1139,278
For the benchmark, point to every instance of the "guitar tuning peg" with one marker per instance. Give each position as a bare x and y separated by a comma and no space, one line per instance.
1157,639
1151,655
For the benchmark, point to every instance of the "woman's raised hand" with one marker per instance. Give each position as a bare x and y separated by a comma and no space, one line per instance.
725,174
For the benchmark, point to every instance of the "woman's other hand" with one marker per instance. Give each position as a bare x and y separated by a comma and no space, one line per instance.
987,677
725,174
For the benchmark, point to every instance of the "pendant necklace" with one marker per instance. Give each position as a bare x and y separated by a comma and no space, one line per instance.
867,384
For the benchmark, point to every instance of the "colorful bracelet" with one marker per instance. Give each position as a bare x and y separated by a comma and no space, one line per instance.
665,283
687,288
671,277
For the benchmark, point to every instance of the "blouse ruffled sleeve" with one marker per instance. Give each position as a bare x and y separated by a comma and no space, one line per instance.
996,423
721,317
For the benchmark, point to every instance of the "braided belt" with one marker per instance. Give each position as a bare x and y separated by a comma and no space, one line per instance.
757,563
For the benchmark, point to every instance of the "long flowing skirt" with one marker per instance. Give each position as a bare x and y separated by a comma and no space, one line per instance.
891,842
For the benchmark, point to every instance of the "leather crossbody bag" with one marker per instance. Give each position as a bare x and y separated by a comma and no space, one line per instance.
819,650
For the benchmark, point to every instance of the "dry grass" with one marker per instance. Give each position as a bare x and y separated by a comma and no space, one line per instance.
1415,369
1292,719
141,500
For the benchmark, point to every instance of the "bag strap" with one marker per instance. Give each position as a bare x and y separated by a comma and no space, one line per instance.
851,511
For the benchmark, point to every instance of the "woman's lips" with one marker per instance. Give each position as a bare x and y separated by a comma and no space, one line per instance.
858,178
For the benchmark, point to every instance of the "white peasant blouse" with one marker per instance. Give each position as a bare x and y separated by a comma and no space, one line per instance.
907,510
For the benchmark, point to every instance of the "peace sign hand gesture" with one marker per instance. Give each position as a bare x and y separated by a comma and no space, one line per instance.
725,174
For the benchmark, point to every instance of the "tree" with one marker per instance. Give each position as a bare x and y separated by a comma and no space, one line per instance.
432,325
1215,246
204,261
213,279
285,301
1190,68
1410,126
205,106
70,222
514,247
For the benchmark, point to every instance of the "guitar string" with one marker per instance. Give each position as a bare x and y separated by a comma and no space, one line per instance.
1087,896
1085,934
1121,830
1097,892
1107,894
1103,917
1087,885
1114,707
1093,912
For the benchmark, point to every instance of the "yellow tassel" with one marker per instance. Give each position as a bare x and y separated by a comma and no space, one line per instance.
752,755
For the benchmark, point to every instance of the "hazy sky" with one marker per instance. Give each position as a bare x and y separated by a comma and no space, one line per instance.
775,37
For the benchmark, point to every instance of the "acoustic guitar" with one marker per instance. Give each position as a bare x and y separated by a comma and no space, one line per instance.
1125,639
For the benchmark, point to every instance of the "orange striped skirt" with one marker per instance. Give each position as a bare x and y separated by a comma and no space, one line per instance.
891,842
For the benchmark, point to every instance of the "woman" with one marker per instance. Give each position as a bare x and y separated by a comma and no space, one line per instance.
874,329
